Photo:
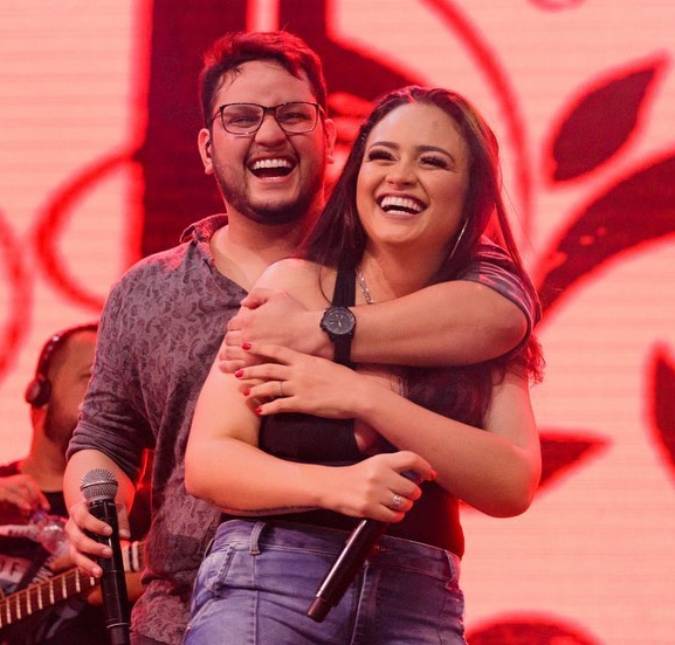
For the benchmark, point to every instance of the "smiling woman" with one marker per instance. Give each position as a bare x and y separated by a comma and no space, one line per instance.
410,191
415,197
468,164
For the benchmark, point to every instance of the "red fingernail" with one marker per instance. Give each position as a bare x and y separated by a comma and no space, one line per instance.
246,392
258,411
434,474
239,373
246,345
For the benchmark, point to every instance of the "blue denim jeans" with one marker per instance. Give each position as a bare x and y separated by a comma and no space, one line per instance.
259,578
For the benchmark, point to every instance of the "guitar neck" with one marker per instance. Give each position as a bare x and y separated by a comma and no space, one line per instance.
43,595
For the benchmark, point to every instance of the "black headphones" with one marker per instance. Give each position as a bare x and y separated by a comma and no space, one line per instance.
40,388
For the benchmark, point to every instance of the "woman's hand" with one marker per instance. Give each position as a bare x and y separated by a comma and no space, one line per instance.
377,487
297,382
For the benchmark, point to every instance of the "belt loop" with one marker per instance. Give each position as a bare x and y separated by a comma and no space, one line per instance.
254,546
207,550
453,564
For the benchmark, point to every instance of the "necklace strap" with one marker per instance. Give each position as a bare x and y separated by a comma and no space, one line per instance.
363,285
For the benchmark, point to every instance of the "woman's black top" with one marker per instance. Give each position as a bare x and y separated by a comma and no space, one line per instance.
433,519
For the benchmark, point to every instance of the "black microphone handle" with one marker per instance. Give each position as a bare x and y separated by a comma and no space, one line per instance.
113,582
357,548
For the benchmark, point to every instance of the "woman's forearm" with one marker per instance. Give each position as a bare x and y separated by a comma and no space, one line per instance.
495,469
242,479
494,472
256,483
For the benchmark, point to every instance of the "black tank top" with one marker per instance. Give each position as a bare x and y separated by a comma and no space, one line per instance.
434,518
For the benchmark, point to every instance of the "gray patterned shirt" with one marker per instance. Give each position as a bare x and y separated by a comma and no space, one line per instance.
161,327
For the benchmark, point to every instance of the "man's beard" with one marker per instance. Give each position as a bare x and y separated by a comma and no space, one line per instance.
58,428
272,214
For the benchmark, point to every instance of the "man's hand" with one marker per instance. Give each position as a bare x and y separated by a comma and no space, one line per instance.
23,492
82,547
272,317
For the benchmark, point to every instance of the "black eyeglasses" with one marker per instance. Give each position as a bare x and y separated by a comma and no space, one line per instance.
295,117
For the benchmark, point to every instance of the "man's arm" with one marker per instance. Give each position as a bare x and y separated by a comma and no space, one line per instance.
451,323
486,312
111,432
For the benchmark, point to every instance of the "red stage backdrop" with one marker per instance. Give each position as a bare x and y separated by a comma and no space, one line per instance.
98,166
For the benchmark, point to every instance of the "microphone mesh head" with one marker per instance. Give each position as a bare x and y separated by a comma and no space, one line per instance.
99,484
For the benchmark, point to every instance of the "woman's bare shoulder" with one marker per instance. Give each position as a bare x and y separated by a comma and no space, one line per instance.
300,278
287,272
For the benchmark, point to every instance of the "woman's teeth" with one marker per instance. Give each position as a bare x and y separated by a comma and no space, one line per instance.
405,204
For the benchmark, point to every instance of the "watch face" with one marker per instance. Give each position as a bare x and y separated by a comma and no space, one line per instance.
339,321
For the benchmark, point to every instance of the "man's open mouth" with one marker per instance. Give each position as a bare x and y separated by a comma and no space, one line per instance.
272,167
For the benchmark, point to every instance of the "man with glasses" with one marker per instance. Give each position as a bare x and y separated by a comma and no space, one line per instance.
246,118
266,140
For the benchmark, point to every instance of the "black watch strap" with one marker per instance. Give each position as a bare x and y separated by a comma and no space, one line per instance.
344,295
343,347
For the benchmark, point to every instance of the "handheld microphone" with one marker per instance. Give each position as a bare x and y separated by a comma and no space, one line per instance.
99,488
356,550
354,553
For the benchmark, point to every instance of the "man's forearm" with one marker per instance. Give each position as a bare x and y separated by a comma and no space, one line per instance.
451,323
84,461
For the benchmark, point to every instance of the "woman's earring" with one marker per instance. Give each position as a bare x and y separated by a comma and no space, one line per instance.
459,238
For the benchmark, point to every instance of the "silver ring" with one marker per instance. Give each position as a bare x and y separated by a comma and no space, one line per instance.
396,501
281,389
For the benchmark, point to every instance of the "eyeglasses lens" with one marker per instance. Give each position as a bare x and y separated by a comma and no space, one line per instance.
246,118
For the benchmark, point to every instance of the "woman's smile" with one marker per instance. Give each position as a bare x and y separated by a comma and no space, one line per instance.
413,178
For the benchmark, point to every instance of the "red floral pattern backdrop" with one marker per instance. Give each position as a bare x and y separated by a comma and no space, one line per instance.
98,166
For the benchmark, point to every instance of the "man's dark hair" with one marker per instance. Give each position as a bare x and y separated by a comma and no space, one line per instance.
234,49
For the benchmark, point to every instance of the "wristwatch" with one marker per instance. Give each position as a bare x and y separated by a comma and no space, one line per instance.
339,323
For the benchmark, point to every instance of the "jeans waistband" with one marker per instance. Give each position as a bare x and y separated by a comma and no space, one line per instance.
256,536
